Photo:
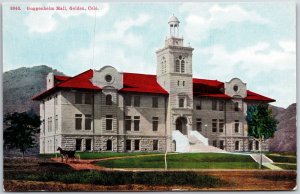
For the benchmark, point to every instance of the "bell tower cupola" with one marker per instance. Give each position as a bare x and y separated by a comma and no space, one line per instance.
174,26
174,60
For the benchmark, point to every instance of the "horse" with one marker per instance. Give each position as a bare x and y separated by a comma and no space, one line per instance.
66,154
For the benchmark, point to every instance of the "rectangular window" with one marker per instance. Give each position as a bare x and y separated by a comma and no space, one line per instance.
127,100
221,125
88,144
236,106
136,144
55,100
78,144
237,145
154,102
49,124
214,125
128,123
215,143
222,144
136,123
155,145
181,102
154,123
78,98
109,122
198,105
88,98
236,126
136,101
56,122
214,105
221,105
78,121
183,83
199,125
88,122
128,144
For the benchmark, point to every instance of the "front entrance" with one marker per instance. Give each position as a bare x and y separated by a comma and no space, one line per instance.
181,123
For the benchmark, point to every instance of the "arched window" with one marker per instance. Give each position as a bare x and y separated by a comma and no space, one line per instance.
250,145
108,99
182,66
177,66
108,145
256,145
237,145
173,145
163,65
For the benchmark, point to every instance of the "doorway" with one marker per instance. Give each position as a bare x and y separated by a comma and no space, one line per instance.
181,123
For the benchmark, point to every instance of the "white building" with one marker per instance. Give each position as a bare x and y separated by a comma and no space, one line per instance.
108,110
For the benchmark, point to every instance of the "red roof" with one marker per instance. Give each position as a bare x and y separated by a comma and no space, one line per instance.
223,96
145,83
207,82
81,81
61,77
133,82
254,96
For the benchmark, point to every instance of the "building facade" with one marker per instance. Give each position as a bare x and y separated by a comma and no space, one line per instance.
108,110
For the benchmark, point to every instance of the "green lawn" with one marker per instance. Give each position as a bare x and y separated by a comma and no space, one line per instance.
287,166
98,155
282,158
186,161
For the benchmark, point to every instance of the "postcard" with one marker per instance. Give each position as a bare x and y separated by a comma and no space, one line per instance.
178,96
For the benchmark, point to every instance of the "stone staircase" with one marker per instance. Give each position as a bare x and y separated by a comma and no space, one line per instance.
197,146
194,143
267,162
265,159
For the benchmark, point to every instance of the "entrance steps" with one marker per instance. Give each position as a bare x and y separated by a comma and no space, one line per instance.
195,143
265,159
205,149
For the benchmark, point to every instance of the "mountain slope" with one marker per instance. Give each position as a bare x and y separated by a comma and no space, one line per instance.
21,84
285,137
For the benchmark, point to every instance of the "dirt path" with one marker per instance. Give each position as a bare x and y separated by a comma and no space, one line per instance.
88,164
238,181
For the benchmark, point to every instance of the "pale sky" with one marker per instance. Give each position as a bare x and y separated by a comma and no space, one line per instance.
255,42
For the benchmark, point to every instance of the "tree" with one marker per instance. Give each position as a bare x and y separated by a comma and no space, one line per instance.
20,131
261,124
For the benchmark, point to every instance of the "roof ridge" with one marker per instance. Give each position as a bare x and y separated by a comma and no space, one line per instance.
139,73
71,78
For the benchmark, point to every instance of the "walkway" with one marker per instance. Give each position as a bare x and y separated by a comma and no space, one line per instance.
88,164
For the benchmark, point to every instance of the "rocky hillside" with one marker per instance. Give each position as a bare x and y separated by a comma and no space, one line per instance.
21,84
285,137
